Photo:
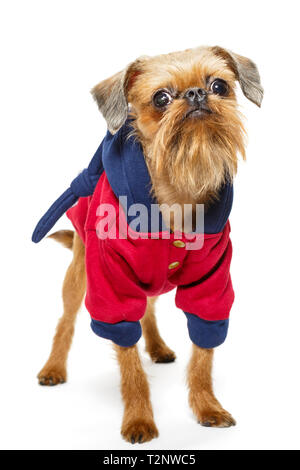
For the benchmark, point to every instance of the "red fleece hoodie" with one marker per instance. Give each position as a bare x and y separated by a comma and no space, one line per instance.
123,272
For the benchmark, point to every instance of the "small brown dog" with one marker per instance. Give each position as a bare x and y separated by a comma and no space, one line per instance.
184,114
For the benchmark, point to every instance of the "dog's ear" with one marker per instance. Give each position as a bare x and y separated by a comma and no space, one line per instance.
246,73
111,95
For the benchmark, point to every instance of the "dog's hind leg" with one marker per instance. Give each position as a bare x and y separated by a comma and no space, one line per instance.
138,423
54,371
155,345
202,400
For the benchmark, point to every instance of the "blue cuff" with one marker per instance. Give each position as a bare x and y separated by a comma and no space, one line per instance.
124,333
206,334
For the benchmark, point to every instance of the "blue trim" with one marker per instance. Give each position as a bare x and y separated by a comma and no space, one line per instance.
206,334
218,213
127,173
121,157
124,333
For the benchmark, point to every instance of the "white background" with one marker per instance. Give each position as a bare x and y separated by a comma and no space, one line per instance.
52,53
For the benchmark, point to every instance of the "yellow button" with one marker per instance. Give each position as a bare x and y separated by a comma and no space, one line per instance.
174,265
179,244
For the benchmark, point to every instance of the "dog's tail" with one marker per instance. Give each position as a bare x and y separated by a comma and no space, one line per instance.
65,237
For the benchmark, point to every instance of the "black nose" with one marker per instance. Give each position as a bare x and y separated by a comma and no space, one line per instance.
195,96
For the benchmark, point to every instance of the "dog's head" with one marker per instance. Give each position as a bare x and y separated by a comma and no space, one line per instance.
185,113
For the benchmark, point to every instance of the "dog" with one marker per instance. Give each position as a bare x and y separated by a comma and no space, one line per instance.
174,136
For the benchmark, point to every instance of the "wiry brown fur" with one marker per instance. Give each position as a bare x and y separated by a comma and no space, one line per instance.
54,371
138,423
188,161
202,400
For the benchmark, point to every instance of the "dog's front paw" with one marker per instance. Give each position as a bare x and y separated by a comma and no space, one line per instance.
139,431
216,418
52,375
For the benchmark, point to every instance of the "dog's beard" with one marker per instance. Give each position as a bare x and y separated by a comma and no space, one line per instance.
197,155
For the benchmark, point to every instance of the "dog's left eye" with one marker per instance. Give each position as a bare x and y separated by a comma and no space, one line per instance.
219,87
161,99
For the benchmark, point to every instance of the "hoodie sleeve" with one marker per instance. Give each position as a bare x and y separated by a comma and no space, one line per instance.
207,302
114,300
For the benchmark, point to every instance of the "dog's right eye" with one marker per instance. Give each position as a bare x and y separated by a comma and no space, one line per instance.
161,99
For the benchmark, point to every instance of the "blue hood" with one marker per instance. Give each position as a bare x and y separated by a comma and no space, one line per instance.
121,157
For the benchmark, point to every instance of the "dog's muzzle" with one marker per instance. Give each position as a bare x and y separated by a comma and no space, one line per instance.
197,101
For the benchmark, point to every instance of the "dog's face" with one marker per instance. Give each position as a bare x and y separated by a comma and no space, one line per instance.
185,113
